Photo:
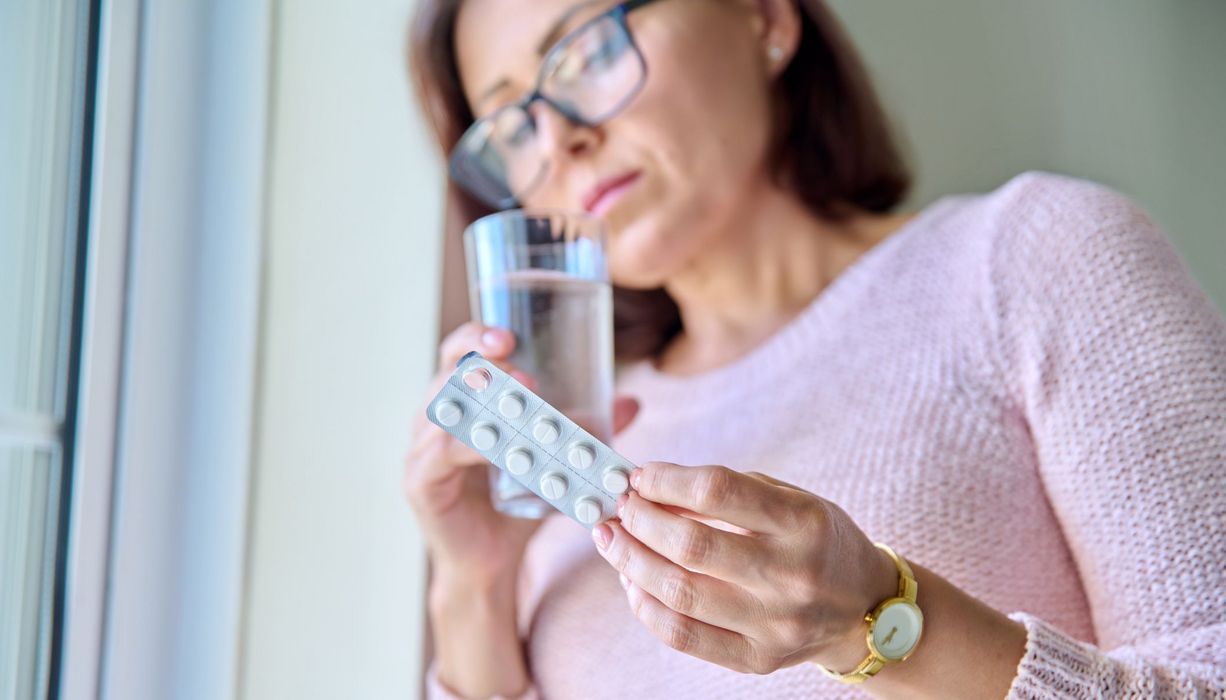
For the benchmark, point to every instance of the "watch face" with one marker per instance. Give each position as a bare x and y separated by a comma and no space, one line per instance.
897,629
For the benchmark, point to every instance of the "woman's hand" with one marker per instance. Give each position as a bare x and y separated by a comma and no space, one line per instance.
447,483
744,570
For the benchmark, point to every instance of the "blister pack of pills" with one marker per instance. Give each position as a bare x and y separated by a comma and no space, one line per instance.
517,431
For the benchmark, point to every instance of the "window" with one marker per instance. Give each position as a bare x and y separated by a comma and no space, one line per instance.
46,68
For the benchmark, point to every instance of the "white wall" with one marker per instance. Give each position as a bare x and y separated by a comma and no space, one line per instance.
336,567
1131,93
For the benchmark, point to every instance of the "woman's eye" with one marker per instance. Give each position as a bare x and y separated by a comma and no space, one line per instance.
514,130
603,48
569,67
507,129
592,51
604,56
520,136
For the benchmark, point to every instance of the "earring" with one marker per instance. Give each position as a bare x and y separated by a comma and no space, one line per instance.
775,53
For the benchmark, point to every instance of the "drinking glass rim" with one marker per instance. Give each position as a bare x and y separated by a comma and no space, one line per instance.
538,213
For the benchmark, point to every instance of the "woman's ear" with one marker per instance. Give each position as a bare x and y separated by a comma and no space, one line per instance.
779,25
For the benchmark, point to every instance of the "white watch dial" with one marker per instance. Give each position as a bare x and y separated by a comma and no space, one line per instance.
897,630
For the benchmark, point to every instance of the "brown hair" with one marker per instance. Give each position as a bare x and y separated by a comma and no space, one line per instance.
832,146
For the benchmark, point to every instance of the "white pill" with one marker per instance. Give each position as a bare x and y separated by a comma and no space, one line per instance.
553,486
484,437
546,431
615,480
581,456
511,405
519,462
587,510
449,413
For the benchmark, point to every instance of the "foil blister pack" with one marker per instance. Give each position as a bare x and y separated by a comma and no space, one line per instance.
520,433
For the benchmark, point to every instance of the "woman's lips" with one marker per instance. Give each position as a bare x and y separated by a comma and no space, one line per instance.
604,195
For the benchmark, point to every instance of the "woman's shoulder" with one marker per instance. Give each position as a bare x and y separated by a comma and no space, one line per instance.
1040,212
1047,189
1069,256
1039,227
970,244
1047,217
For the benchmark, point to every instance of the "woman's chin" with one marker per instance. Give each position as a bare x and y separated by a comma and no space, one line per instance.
650,250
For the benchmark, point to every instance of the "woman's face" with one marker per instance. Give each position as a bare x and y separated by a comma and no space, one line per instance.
690,147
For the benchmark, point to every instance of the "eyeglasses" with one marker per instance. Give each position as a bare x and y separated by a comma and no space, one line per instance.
590,75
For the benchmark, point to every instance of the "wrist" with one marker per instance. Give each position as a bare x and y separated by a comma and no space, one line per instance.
477,645
455,589
879,583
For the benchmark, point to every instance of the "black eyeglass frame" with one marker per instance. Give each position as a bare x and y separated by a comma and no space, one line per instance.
457,163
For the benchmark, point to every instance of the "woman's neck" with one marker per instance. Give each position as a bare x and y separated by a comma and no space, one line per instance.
765,267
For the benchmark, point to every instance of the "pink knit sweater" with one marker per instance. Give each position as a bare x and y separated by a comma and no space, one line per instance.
1023,391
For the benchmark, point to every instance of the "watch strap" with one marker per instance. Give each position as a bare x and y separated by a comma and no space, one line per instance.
908,589
866,670
907,586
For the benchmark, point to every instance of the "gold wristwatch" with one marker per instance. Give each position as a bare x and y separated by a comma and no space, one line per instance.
894,627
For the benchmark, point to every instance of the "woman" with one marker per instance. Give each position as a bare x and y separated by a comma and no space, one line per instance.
1023,393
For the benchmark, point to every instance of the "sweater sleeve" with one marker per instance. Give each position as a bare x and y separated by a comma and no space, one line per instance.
435,690
1117,361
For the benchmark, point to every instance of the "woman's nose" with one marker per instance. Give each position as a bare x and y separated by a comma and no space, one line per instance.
557,136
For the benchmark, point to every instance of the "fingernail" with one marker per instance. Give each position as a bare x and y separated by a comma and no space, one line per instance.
634,477
491,339
602,535
621,503
625,581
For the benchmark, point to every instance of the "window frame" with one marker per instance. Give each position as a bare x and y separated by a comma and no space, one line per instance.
157,531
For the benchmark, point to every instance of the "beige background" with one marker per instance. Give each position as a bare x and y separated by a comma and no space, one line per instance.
1130,93
336,567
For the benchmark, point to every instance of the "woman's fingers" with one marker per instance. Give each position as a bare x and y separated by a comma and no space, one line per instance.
434,455
719,492
707,520
695,595
693,637
691,544
493,343
772,480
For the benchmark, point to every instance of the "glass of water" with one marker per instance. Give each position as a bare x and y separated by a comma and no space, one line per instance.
543,275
